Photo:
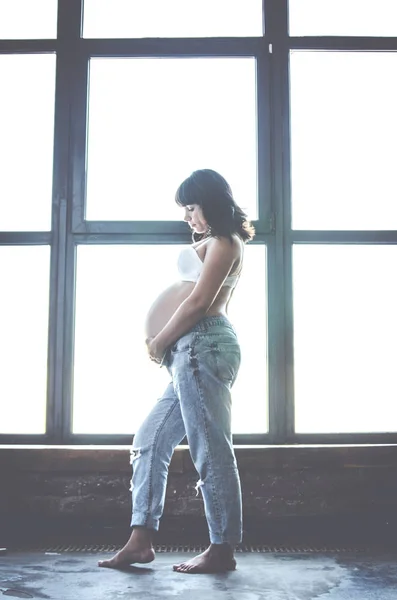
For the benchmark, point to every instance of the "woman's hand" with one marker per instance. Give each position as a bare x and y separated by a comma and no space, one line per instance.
156,352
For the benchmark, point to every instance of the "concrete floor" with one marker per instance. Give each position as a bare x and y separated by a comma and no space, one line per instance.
75,576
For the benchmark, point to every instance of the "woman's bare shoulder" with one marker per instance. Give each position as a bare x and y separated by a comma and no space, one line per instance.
234,244
225,247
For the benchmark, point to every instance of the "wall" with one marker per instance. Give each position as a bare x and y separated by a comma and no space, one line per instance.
288,492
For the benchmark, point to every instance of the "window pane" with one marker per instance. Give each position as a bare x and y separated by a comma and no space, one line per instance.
148,132
172,18
343,17
24,304
115,384
28,19
26,141
345,333
343,133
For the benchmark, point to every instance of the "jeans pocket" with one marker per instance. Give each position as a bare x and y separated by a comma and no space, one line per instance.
227,359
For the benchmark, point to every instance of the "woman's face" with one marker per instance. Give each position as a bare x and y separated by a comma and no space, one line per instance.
195,218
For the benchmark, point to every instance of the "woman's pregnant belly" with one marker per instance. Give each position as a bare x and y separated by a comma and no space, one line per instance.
165,305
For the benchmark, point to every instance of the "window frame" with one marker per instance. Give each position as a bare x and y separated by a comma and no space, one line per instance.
299,236
69,228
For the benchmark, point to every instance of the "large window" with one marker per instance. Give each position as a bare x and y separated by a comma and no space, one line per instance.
172,18
345,331
106,107
26,141
115,287
150,121
24,19
343,132
343,17
24,275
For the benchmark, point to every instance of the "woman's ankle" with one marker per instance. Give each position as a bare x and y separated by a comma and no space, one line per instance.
224,549
142,535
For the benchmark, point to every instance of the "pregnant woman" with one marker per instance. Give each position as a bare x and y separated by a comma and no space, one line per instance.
189,333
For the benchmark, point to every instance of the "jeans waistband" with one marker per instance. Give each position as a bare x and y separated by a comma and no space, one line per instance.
207,322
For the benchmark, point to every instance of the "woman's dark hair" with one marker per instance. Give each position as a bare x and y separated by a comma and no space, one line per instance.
213,194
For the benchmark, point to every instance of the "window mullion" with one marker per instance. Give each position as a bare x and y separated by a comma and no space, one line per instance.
281,409
58,247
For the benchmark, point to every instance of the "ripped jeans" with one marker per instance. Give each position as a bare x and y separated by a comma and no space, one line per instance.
203,365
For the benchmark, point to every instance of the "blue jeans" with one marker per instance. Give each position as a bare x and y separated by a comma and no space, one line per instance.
203,365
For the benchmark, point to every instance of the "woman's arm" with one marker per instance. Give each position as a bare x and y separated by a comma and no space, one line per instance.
218,262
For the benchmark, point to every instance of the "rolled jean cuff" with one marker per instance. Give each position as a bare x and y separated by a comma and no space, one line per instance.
143,520
233,540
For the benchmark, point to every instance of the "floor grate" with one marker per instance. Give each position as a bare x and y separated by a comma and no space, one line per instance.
273,549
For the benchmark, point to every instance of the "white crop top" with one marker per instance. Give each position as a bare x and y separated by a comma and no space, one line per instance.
190,266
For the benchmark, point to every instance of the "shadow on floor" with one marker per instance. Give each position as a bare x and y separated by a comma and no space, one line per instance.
75,576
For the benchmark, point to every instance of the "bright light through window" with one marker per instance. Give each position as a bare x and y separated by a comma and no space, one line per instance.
172,18
28,19
115,383
24,304
345,331
154,121
343,17
26,141
343,140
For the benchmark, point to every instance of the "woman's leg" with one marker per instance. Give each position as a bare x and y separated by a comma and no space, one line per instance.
151,454
203,376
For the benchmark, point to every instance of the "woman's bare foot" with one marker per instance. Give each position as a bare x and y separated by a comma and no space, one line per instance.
218,558
138,549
